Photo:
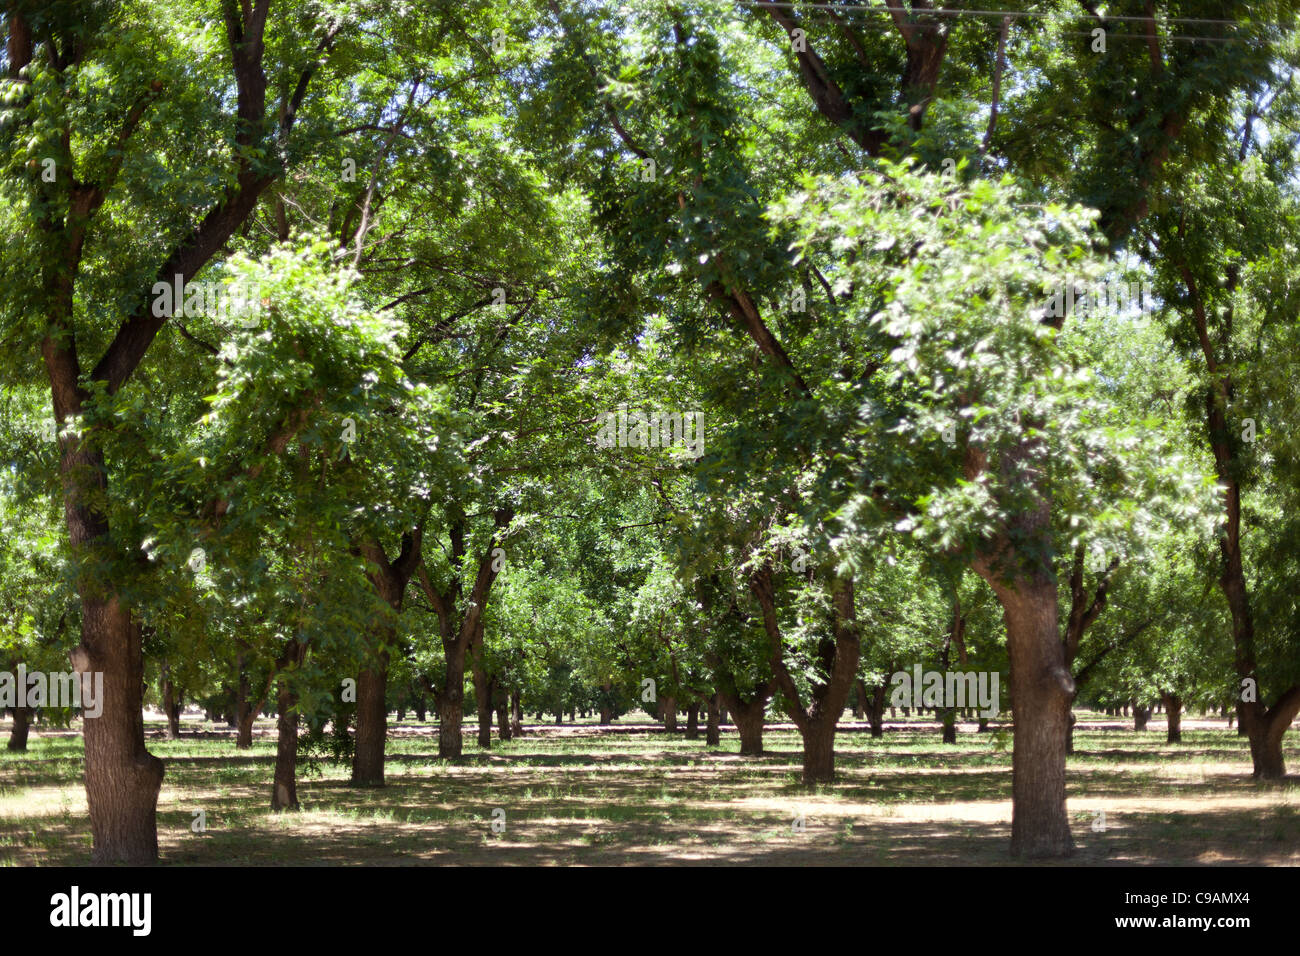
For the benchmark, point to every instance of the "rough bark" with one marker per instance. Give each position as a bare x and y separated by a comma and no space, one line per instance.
372,724
122,777
1042,690
693,721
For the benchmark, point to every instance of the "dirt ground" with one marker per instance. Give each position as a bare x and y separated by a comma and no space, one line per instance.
633,794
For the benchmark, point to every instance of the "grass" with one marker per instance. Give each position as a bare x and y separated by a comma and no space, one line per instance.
578,794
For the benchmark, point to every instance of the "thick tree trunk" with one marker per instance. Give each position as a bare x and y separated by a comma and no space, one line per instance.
859,699
284,788
1141,715
693,721
669,711
1041,691
1174,718
372,724
122,777
1270,727
18,734
421,709
819,751
451,708
749,723
712,733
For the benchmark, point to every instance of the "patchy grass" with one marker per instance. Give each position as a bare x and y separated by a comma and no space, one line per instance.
580,794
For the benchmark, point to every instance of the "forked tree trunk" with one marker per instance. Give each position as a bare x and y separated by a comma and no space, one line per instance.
838,658
372,724
389,579
18,733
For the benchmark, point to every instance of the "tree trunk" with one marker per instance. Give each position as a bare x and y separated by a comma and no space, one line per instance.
284,789
1069,734
451,708
859,699
693,721
749,723
503,716
171,704
819,751
1173,718
483,705
948,716
517,719
421,709
712,734
1041,691
245,714
1140,716
876,712
18,735
669,711
372,724
122,777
